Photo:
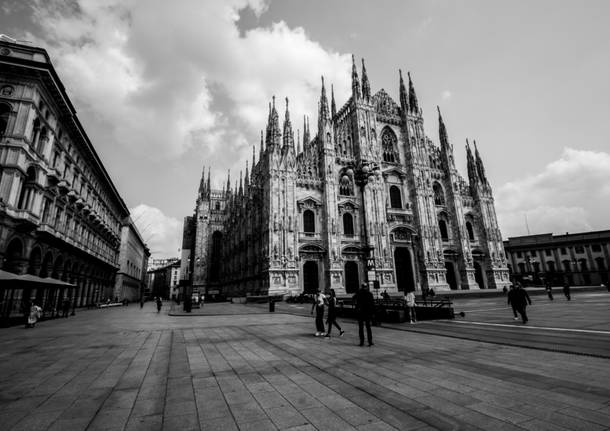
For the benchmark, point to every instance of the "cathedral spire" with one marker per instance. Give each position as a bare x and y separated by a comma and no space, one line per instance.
412,96
229,181
442,130
247,178
404,96
208,188
355,80
323,114
253,157
366,87
472,170
262,149
333,107
274,135
288,135
479,164
202,182
298,141
241,184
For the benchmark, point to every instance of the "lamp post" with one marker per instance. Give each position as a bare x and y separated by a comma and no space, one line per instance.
363,173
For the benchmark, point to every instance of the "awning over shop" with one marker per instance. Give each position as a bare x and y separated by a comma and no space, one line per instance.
10,280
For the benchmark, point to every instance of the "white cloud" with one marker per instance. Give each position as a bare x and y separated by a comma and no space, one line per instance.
164,76
162,234
446,95
571,194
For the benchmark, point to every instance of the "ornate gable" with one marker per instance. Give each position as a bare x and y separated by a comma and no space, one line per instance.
387,110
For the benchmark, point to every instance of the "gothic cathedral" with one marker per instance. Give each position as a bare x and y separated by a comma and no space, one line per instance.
368,199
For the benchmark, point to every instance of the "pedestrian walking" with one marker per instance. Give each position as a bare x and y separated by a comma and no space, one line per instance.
332,314
318,304
549,290
65,307
566,291
410,301
159,304
365,308
518,299
142,302
512,289
35,314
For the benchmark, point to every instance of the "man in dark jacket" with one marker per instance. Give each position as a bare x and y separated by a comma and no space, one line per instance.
365,308
519,299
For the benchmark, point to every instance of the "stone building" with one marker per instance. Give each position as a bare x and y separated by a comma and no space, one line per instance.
60,213
578,259
133,260
367,198
164,281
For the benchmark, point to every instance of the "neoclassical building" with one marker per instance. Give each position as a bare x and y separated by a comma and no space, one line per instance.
367,198
60,213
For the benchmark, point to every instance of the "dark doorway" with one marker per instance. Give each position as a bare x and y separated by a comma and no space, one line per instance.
351,277
478,275
310,276
451,275
404,270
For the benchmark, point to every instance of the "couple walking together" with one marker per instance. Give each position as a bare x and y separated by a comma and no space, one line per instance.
320,300
365,307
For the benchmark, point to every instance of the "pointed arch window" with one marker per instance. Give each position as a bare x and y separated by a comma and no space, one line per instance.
470,230
348,224
388,145
439,195
442,225
309,222
5,112
395,197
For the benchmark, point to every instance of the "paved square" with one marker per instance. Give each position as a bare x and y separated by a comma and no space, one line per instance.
133,369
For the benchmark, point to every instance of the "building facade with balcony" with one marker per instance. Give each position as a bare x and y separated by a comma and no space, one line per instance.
580,259
130,280
164,281
60,213
369,198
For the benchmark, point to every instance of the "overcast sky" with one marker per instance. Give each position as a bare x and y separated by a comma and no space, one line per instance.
165,87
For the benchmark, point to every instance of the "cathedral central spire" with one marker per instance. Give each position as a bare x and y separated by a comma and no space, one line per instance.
274,135
333,106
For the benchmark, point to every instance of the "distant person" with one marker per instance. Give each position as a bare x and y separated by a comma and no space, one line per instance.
385,295
332,314
519,298
566,291
410,301
35,314
142,302
318,304
65,307
424,294
549,290
365,308
159,304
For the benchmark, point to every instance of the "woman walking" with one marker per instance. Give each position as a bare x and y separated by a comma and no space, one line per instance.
332,314
318,305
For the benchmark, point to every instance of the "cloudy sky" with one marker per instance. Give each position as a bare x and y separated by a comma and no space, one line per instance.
166,87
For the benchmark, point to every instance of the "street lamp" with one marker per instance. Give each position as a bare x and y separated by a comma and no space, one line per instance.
363,173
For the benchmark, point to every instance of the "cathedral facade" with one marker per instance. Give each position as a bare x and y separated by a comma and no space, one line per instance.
368,199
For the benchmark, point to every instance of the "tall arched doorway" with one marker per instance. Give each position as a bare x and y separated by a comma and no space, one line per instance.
405,281
310,276
478,275
451,280
351,277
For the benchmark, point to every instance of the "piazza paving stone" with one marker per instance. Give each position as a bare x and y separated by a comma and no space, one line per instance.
134,369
